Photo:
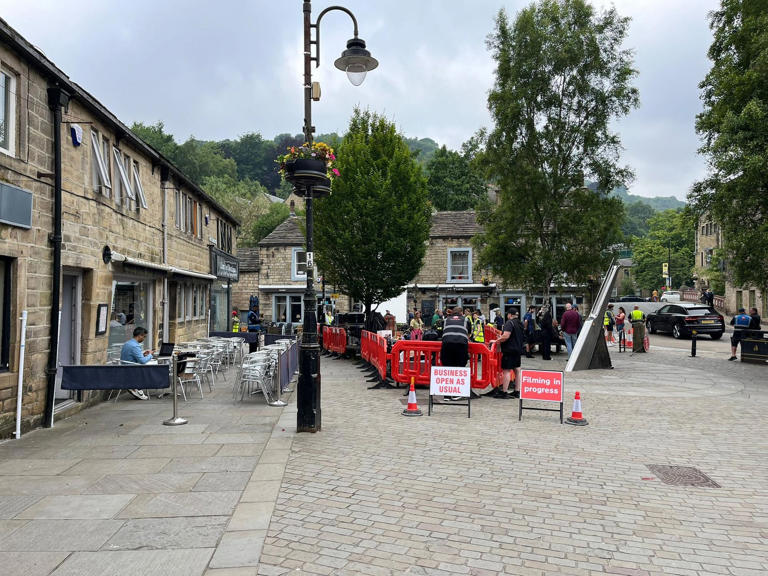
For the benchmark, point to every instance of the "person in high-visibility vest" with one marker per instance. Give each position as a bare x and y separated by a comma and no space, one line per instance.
740,322
608,322
478,328
637,317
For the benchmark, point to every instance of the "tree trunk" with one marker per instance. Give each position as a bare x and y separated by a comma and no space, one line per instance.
368,316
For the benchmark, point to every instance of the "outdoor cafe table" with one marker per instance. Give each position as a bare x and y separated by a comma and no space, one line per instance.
252,338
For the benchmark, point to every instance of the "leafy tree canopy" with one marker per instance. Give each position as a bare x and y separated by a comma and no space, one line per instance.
734,125
422,149
453,182
370,233
636,223
561,80
671,232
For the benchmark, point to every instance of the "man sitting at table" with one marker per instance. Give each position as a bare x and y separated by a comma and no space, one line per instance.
133,352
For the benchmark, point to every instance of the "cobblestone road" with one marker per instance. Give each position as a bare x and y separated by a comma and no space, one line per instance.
377,493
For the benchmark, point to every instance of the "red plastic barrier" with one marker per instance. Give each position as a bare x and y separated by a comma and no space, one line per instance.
491,333
373,349
338,340
415,358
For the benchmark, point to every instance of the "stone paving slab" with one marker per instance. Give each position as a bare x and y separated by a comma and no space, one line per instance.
168,533
144,483
77,507
188,562
30,563
180,504
61,535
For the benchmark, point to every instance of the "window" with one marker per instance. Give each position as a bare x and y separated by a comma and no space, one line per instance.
709,256
123,183
288,308
5,312
299,264
195,301
189,305
739,299
200,221
138,188
7,112
459,265
224,236
102,181
177,204
180,302
752,298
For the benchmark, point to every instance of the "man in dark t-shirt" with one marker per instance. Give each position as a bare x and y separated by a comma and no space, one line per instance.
511,341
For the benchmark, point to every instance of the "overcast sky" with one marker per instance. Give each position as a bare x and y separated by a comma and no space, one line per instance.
217,70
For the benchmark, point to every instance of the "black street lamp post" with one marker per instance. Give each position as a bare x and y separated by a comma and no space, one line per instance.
355,61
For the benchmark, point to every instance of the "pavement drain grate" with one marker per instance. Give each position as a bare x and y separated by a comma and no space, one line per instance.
682,476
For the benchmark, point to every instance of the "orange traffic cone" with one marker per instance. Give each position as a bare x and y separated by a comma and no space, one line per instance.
413,408
576,418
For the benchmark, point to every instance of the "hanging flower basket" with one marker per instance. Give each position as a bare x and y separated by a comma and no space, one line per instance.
309,167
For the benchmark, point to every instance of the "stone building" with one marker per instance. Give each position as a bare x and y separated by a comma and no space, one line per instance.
709,238
248,285
282,276
451,275
98,234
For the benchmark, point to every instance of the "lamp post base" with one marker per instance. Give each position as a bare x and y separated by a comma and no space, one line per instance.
309,415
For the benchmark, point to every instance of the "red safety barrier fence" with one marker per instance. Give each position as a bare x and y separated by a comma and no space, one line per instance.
491,333
373,349
415,358
335,339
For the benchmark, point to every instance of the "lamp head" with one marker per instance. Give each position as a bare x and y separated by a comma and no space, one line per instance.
356,61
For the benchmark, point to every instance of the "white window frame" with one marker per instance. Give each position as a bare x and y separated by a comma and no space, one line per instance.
177,203
124,181
137,186
189,305
10,93
295,274
200,221
449,276
104,185
180,302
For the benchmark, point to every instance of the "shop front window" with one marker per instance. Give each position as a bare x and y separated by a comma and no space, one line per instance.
288,308
219,311
131,308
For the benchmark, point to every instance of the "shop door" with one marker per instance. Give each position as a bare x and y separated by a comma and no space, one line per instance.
69,330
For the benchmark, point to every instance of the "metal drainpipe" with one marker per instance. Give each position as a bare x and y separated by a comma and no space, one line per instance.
57,99
164,175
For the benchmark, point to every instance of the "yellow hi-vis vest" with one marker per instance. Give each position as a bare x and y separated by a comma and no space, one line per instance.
637,316
478,330
607,319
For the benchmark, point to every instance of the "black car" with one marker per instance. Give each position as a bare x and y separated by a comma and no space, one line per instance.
681,319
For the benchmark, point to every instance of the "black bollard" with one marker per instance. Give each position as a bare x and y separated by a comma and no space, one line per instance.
693,344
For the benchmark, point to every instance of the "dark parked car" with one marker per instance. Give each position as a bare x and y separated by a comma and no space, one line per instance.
680,319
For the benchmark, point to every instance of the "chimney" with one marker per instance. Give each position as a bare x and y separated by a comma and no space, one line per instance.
293,209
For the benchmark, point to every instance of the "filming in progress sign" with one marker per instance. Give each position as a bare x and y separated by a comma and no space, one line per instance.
542,386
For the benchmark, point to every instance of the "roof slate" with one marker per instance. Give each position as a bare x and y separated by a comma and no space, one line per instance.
454,224
288,233
249,259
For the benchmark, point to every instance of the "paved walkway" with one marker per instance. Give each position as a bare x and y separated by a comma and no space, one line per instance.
237,493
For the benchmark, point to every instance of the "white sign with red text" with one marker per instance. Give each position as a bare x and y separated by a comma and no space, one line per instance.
449,381
541,385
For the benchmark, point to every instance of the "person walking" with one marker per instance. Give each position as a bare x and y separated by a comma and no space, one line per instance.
498,320
741,322
389,318
570,324
637,317
511,341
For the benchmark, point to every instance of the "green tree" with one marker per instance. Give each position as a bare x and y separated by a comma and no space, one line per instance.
453,182
244,199
370,233
734,125
636,221
671,232
198,160
422,149
561,80
155,136
255,159
275,215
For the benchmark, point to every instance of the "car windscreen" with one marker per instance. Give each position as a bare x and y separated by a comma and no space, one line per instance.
698,311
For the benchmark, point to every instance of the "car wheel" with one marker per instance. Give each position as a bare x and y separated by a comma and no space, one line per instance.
677,332
716,335
651,327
